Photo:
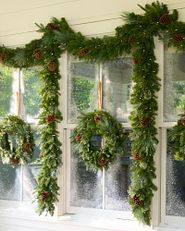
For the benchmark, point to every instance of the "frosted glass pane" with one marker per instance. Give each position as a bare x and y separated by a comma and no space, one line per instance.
82,88
5,89
30,171
117,180
117,88
175,186
174,85
29,182
30,89
86,187
10,182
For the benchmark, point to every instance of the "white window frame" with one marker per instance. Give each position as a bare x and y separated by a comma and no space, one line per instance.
159,217
65,172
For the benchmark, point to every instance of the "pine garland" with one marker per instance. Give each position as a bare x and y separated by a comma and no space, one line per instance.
136,38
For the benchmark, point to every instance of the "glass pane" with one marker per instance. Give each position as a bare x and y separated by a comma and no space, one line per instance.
5,89
86,187
30,90
117,87
175,185
10,182
174,85
29,173
117,180
82,88
29,182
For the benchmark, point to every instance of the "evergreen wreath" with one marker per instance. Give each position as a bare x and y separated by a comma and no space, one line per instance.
177,139
16,140
111,133
135,37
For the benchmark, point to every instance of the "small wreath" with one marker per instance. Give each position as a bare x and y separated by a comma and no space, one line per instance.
101,127
177,139
16,140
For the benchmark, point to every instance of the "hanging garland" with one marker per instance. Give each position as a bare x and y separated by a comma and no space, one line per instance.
177,139
98,124
16,140
136,38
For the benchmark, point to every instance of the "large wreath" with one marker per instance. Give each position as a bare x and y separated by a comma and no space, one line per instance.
177,139
16,140
98,138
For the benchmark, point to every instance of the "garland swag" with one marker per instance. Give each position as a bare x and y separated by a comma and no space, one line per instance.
136,38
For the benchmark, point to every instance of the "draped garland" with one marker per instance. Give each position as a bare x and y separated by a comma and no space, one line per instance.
136,38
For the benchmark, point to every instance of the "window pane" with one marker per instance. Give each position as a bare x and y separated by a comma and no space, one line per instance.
117,180
86,188
30,90
10,182
5,89
174,85
30,171
175,185
117,87
82,88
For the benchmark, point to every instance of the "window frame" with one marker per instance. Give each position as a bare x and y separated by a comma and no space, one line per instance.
66,128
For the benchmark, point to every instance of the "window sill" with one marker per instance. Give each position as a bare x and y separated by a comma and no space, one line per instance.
21,217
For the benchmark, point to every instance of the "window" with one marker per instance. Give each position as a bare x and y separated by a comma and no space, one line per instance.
86,189
173,172
19,95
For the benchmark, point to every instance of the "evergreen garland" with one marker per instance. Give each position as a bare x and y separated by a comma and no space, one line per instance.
136,38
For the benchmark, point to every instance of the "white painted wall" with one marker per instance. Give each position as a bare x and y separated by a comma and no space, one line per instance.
91,17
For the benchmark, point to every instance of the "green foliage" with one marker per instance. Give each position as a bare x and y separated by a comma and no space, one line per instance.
5,90
177,139
16,140
100,124
31,94
82,93
135,37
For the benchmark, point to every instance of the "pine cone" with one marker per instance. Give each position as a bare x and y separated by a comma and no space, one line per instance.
165,19
137,201
101,161
135,61
37,54
178,37
52,66
136,156
83,52
52,26
14,161
2,57
182,121
144,122
44,195
78,138
97,118
26,146
50,118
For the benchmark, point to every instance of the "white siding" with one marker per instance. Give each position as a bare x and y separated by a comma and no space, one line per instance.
91,17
